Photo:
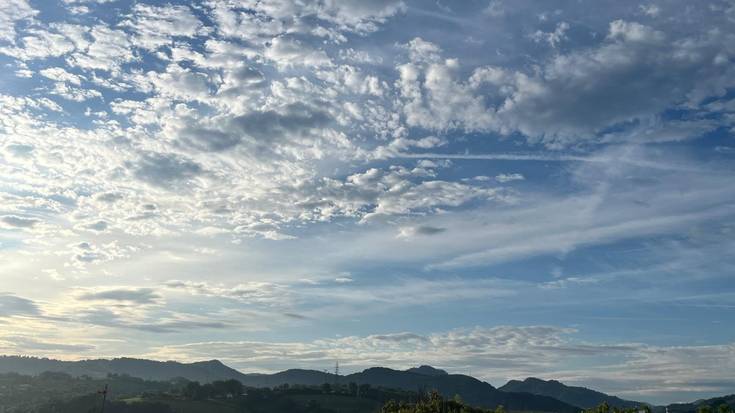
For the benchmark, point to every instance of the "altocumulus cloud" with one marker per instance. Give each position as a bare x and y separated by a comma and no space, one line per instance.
19,222
129,295
11,305
294,162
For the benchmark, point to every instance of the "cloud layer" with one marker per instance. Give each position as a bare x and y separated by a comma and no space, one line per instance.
277,174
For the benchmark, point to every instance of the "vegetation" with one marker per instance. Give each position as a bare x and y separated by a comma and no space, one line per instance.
217,389
604,407
435,403
474,392
722,408
19,393
92,404
724,404
61,393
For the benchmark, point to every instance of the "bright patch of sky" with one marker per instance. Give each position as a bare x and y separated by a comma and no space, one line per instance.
507,188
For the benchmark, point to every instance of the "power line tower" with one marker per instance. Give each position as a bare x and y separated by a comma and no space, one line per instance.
336,375
104,397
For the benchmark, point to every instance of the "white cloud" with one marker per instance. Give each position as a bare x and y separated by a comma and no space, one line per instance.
434,98
633,32
632,50
84,254
376,193
287,52
503,178
422,51
61,75
234,22
560,107
73,93
273,18
39,44
253,292
359,15
12,11
552,38
108,50
180,83
156,26
351,145
651,10
353,81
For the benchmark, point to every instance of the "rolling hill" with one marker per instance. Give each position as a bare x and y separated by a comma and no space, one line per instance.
204,371
577,396
423,378
714,403
472,391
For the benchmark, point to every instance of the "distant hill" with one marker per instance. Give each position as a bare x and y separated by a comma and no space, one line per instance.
529,395
23,393
292,376
714,403
427,371
472,391
577,396
424,378
204,371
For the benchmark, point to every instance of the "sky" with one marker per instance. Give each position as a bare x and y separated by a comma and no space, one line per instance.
497,188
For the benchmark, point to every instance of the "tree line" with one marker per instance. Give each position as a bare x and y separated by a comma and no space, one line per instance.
435,403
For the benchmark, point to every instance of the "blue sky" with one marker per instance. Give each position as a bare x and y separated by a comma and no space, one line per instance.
500,188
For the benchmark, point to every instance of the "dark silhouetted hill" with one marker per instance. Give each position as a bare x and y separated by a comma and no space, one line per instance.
577,396
292,376
204,371
472,391
424,378
714,403
427,371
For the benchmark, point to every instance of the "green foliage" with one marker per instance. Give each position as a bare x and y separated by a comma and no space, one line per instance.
19,393
724,404
434,403
92,404
61,393
721,408
605,408
217,389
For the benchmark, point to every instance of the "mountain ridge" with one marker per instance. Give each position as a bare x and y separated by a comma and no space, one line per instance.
694,406
574,395
426,378
531,394
427,371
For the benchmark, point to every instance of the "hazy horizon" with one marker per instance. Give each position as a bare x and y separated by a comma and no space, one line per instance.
498,188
